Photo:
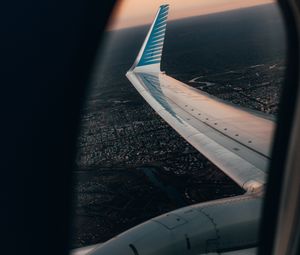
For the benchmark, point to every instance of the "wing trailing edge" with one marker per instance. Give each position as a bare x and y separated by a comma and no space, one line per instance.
236,140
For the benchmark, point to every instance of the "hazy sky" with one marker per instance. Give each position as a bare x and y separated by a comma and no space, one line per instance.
129,13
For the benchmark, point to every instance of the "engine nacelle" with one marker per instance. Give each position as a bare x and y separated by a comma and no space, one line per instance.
226,224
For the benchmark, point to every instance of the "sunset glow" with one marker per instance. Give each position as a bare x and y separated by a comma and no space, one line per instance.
130,13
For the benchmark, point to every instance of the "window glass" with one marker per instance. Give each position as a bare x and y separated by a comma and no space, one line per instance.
131,164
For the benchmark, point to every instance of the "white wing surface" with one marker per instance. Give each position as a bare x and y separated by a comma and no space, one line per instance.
235,139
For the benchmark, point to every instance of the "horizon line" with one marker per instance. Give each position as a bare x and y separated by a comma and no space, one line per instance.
108,29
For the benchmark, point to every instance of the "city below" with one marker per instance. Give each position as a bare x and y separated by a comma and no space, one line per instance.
131,165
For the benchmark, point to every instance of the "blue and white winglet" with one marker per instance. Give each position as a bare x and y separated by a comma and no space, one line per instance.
235,139
149,57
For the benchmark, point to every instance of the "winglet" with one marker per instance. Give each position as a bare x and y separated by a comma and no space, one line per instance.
149,56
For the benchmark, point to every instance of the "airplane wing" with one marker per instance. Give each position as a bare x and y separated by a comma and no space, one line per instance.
235,139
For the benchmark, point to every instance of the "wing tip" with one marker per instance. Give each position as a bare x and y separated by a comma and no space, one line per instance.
149,57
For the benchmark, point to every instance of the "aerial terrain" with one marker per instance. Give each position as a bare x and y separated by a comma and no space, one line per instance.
130,165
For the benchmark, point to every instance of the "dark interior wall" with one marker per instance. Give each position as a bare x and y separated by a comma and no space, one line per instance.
47,49
285,123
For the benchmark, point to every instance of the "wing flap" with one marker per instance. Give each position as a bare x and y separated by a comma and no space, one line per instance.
246,166
236,140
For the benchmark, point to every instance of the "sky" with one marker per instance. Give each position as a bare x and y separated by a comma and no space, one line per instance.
129,13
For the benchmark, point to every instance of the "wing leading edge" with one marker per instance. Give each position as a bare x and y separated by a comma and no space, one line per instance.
234,139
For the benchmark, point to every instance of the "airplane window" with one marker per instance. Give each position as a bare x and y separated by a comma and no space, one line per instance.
177,128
